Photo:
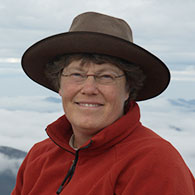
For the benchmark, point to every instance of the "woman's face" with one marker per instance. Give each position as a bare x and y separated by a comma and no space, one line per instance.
90,106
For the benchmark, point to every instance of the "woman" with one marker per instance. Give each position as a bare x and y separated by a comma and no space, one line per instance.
99,147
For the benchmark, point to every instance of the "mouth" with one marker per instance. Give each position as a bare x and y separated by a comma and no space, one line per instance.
89,105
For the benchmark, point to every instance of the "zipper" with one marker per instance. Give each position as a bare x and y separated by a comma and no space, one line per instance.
71,171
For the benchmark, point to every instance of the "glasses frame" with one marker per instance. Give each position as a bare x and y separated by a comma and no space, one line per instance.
97,78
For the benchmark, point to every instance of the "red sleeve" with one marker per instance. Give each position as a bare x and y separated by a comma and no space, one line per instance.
155,170
20,176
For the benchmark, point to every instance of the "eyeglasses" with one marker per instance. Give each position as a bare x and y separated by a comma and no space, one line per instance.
101,78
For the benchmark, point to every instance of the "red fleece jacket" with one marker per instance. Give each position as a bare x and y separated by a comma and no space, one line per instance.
125,158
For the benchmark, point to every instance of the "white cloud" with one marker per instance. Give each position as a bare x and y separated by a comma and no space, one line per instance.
29,104
29,117
187,74
9,60
9,164
10,71
156,25
22,129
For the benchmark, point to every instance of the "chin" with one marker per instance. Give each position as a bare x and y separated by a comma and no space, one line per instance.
92,128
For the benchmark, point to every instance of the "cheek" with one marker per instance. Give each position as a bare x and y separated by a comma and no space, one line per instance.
66,93
117,97
67,90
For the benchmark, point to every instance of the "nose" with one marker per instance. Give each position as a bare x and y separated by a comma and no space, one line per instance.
89,86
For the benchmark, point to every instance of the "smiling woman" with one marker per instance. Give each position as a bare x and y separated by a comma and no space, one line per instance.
90,106
99,146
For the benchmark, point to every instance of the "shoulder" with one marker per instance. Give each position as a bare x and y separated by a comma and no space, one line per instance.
146,147
153,163
41,149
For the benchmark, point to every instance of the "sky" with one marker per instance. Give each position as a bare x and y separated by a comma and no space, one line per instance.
166,28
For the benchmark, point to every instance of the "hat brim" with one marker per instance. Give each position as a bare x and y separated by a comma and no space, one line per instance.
38,55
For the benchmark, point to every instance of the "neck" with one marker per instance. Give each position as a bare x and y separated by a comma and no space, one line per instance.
80,139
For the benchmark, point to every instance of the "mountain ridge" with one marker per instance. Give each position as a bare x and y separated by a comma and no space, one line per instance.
12,157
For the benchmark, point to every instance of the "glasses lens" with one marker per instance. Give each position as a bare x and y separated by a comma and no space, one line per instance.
77,77
105,79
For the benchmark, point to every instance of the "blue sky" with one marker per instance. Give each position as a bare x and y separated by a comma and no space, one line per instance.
164,27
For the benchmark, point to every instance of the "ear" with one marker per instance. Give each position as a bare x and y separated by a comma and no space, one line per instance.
127,95
60,92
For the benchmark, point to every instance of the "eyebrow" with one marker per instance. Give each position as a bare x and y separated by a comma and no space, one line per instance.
106,70
100,69
74,68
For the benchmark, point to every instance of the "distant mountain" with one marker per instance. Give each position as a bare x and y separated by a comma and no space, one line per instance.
11,159
175,128
12,152
7,182
53,99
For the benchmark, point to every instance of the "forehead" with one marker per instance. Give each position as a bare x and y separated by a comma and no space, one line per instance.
77,64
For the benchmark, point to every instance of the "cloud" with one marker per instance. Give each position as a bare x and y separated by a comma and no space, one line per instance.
10,67
29,117
187,74
9,60
162,27
184,105
7,164
22,129
31,104
10,71
163,113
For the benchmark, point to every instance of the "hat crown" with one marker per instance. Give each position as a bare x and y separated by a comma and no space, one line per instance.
100,23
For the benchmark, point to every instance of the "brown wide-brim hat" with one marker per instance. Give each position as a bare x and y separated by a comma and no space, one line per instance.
92,32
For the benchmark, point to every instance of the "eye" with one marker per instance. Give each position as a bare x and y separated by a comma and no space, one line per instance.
76,75
106,76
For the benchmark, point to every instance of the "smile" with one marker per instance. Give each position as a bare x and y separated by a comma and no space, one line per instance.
89,104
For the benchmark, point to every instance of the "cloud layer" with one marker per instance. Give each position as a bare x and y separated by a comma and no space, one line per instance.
28,116
187,74
7,164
